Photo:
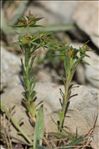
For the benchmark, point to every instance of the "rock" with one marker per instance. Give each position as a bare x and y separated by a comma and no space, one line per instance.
13,97
10,66
40,12
82,111
87,19
92,70
55,7
80,74
47,75
2,147
43,76
95,142
51,11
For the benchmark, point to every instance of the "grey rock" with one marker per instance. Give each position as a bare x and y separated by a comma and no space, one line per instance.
67,8
86,17
82,111
51,11
2,147
10,66
43,76
13,98
92,70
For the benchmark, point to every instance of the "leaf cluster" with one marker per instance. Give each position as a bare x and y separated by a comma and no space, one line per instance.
28,21
72,57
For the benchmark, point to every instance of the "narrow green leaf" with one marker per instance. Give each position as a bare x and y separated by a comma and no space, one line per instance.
39,129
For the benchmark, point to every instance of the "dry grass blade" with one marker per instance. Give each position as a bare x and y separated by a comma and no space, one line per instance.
4,133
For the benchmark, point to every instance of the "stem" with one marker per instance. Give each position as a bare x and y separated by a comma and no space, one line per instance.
23,31
29,101
65,100
64,108
66,96
50,28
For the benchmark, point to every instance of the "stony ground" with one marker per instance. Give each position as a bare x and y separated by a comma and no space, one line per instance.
84,108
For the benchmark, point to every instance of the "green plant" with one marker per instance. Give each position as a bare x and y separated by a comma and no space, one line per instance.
29,45
28,48
39,129
71,57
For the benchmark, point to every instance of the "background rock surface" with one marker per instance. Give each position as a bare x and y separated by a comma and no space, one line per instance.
86,16
82,111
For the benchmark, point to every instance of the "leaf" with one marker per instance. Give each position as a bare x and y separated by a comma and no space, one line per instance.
76,141
65,65
39,128
25,21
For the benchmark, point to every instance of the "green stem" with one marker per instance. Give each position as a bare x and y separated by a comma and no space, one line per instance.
66,96
64,107
65,99
50,28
